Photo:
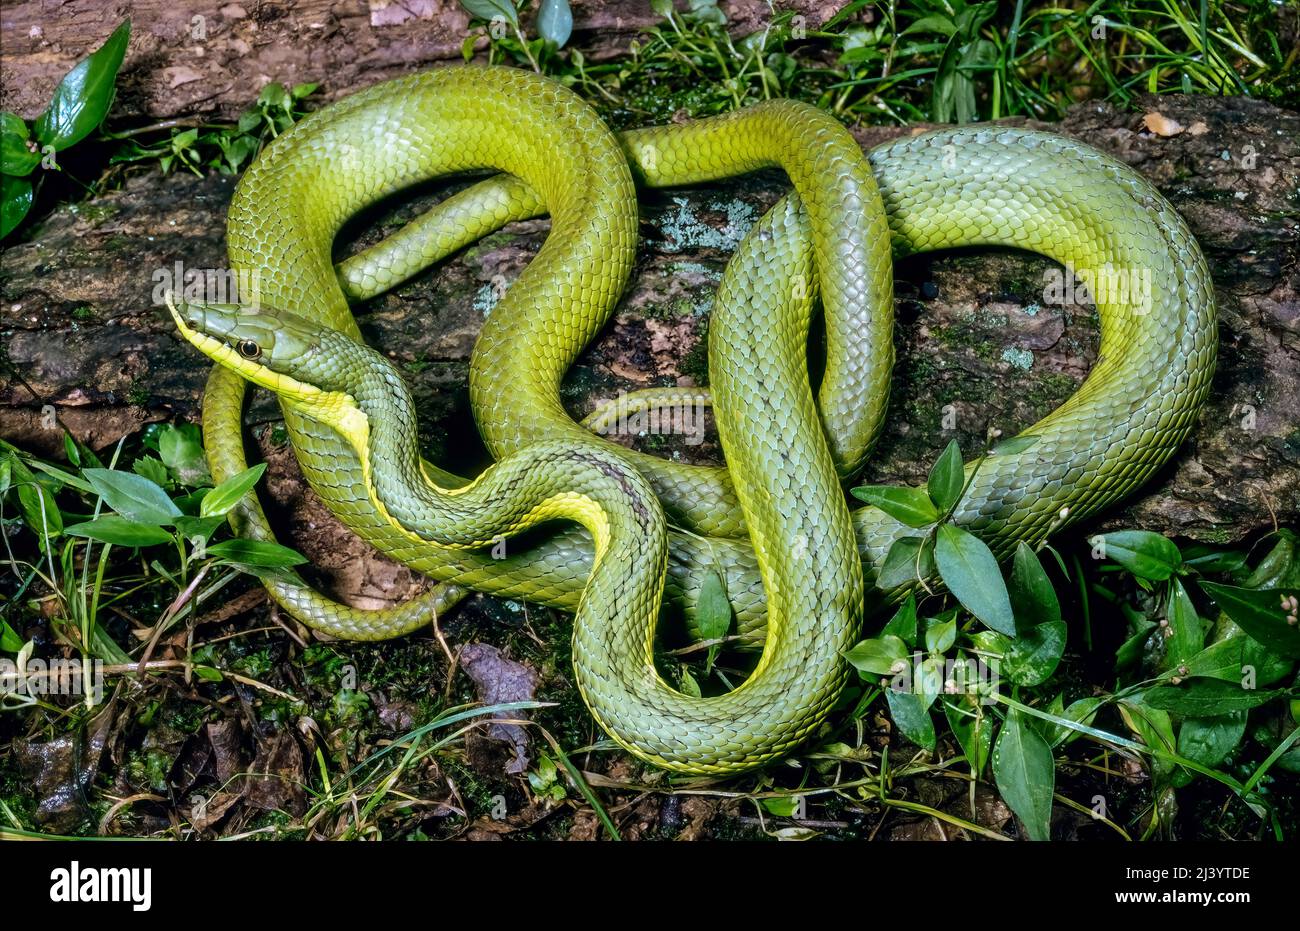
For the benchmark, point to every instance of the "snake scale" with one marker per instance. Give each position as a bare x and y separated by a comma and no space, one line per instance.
774,523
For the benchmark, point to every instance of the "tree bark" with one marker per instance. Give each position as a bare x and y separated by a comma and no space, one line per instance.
978,344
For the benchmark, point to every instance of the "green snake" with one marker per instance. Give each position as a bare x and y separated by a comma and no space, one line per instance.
774,524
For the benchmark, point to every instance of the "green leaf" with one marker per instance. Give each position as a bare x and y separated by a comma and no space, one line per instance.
936,25
1147,555
201,527
151,467
1188,638
908,559
662,8
110,528
1207,698
83,96
36,501
256,553
274,97
1025,775
687,684
1260,613
911,718
225,496
941,632
299,91
878,656
208,674
10,642
1227,659
970,571
973,728
487,9
783,807
555,21
133,496
15,201
1079,712
1208,741
16,158
903,623
1031,658
947,478
911,506
1033,599
180,446
713,612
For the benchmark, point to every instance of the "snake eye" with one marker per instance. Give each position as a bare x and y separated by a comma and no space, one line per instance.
249,349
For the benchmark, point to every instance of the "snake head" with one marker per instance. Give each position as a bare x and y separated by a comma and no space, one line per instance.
275,349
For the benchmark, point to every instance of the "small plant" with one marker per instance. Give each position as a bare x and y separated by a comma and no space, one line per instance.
1188,687
106,538
78,106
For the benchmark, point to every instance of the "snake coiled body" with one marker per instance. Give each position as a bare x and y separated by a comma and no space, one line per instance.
775,523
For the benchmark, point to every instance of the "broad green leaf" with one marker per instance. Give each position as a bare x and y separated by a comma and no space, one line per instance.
936,24
10,642
973,727
180,446
1031,658
908,559
911,718
1280,567
133,496
783,807
1033,599
970,571
1207,698
83,96
911,506
487,9
258,553
946,478
1188,638
878,656
1208,741
662,8
713,612
15,201
1227,659
1261,614
200,527
151,467
1025,775
16,158
1147,555
208,674
903,623
274,96
1079,712
555,21
110,528
35,500
225,496
687,684
941,632
299,91
929,683
1155,729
